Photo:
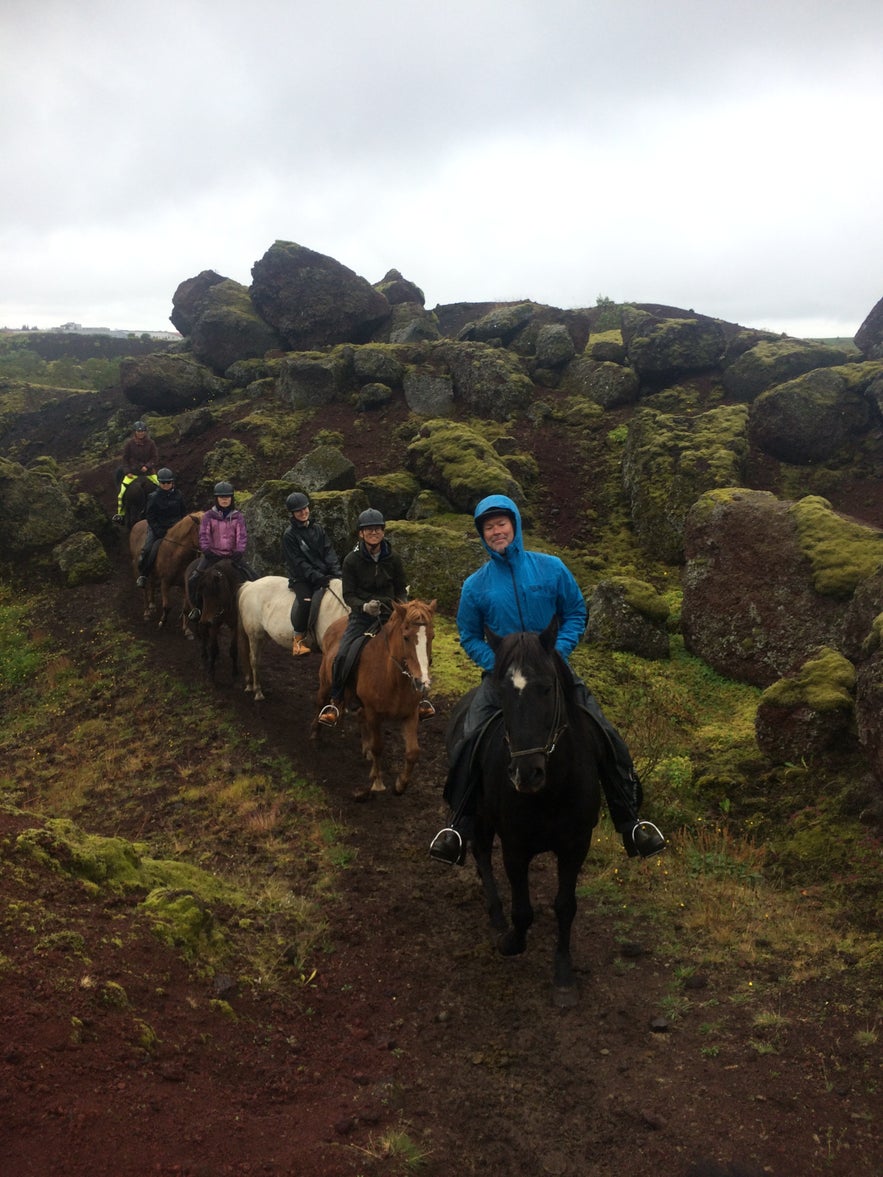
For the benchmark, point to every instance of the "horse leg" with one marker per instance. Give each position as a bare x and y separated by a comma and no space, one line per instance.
412,753
565,990
234,655
166,602
482,846
514,941
372,746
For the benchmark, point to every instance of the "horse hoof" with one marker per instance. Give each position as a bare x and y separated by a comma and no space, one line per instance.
565,996
399,787
361,794
378,787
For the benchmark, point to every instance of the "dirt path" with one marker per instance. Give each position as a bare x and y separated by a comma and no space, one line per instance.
414,1024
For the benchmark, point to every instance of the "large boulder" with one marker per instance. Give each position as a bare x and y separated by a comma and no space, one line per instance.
308,380
36,509
325,468
500,325
228,328
81,559
458,462
809,714
608,384
768,362
313,301
392,494
669,461
767,582
410,322
488,382
168,384
628,615
869,337
428,394
189,299
663,348
809,419
397,290
437,558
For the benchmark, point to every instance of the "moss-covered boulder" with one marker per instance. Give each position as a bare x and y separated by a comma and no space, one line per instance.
609,385
811,418
189,299
409,322
437,557
775,361
628,615
228,328
324,468
488,382
81,559
429,394
554,346
869,337
665,348
36,509
810,713
462,465
396,289
313,301
669,461
312,379
391,494
168,383
606,346
500,325
228,461
767,581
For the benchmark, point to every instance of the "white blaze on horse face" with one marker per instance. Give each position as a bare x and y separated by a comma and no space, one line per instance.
518,678
422,652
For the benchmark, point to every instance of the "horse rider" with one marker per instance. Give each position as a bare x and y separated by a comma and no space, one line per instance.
311,563
222,536
140,456
165,508
373,579
518,590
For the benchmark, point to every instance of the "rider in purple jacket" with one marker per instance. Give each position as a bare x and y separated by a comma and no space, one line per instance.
222,536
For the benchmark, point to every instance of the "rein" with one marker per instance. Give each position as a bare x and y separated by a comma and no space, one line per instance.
558,727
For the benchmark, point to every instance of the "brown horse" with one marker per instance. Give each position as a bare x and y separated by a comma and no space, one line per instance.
217,587
391,678
176,549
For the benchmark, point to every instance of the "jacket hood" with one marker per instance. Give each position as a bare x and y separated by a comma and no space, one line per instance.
500,503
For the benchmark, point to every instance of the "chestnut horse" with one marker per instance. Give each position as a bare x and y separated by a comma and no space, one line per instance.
392,676
540,788
176,549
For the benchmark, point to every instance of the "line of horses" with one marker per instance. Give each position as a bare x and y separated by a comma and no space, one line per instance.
539,765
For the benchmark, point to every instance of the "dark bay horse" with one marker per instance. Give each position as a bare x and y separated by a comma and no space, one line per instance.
135,498
392,676
539,789
218,588
176,549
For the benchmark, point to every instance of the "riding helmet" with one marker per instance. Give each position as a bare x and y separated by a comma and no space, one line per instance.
139,427
165,475
296,502
371,518
223,488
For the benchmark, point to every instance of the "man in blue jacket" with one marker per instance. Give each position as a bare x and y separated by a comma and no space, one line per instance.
518,590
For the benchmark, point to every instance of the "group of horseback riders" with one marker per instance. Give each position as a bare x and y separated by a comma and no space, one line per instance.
515,590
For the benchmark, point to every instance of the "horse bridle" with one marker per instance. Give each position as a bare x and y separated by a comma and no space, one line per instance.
558,727
401,664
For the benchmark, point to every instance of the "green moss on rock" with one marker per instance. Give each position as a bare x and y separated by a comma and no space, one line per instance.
825,682
842,552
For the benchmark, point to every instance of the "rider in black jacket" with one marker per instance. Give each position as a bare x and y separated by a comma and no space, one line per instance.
165,508
311,562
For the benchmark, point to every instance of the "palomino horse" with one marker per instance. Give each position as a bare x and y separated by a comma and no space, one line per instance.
539,791
265,611
217,588
392,676
176,549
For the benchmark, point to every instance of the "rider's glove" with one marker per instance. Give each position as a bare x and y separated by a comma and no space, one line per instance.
372,608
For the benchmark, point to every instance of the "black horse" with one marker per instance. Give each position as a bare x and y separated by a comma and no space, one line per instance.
217,589
539,789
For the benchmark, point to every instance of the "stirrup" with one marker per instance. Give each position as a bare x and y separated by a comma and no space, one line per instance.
647,839
194,615
329,715
425,709
448,846
298,648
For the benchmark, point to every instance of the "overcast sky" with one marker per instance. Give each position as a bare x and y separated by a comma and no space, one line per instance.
720,156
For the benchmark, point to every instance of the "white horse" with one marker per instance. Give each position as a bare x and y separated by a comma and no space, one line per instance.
265,611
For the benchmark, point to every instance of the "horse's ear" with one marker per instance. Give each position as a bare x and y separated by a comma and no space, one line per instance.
432,605
550,634
492,639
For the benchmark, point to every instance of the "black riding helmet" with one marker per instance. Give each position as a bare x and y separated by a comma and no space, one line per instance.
371,518
296,502
223,488
165,475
